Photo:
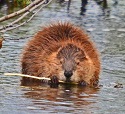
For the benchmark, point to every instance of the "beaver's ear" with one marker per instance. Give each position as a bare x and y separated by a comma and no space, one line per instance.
82,56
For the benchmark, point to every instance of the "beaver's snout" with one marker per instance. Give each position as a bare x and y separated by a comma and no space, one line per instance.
68,74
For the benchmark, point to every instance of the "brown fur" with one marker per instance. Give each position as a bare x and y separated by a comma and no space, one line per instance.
1,40
61,47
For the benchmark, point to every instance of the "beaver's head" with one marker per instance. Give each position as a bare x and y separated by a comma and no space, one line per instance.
74,62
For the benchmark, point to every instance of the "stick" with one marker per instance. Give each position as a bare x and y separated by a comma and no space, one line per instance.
28,76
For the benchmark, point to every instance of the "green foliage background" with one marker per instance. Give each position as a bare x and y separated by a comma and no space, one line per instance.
22,2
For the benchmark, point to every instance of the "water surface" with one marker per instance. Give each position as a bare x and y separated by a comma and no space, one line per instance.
106,28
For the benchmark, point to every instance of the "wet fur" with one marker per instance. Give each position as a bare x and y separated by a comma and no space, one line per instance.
44,54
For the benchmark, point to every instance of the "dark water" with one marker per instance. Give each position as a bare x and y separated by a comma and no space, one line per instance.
107,30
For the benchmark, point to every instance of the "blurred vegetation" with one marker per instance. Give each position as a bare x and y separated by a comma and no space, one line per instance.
22,3
16,3
12,6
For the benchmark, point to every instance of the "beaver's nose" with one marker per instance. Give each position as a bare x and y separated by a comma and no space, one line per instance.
68,74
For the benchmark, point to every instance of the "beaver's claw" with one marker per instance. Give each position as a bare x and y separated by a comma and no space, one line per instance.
54,81
82,83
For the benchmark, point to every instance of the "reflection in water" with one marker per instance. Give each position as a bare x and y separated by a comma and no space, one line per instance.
62,2
103,3
64,96
104,6
83,6
69,2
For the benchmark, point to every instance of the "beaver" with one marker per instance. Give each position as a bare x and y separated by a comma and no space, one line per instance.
62,51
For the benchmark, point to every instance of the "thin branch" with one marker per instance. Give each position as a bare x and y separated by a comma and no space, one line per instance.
20,11
28,76
40,9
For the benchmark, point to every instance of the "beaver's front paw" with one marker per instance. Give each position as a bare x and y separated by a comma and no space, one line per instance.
82,83
54,81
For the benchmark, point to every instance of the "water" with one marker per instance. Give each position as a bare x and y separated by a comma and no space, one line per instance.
107,30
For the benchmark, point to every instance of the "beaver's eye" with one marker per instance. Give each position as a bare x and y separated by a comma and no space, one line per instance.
61,61
77,62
